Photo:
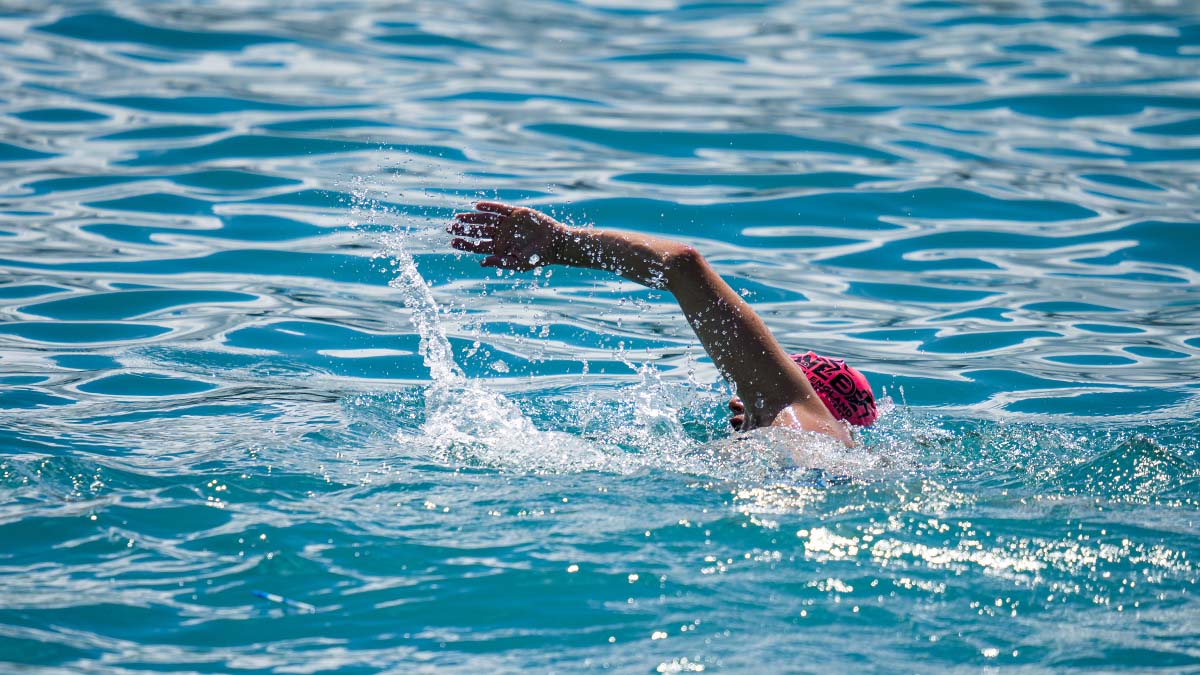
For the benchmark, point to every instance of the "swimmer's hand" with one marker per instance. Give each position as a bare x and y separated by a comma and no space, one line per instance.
512,237
738,419
519,238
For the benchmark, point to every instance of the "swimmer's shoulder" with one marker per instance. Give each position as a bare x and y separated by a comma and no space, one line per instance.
802,416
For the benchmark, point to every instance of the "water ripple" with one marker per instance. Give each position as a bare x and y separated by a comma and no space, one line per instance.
210,384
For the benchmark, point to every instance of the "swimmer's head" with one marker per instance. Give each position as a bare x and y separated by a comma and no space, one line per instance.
843,390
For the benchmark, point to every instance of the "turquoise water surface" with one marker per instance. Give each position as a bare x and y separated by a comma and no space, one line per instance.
257,417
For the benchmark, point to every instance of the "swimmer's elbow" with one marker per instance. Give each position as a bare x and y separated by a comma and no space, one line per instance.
683,263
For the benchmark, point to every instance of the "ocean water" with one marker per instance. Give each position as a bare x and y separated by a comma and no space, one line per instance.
257,417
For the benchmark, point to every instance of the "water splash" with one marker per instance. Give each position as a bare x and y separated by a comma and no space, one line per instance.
465,421
435,347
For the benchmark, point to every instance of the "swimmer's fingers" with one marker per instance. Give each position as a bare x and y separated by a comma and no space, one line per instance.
739,413
469,229
518,213
483,246
498,207
479,218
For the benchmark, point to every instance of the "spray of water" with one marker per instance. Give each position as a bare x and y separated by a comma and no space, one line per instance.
466,422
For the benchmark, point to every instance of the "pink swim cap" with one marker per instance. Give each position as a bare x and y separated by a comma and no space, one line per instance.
842,389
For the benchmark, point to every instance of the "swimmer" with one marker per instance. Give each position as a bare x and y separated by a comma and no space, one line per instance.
804,392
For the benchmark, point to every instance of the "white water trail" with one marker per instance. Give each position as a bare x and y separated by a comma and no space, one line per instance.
435,348
466,421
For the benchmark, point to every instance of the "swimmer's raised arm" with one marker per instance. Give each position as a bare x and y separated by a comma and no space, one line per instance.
740,344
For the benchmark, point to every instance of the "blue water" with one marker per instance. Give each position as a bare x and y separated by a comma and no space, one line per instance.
239,363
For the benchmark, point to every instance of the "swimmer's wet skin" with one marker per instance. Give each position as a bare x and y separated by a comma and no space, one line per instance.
811,393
